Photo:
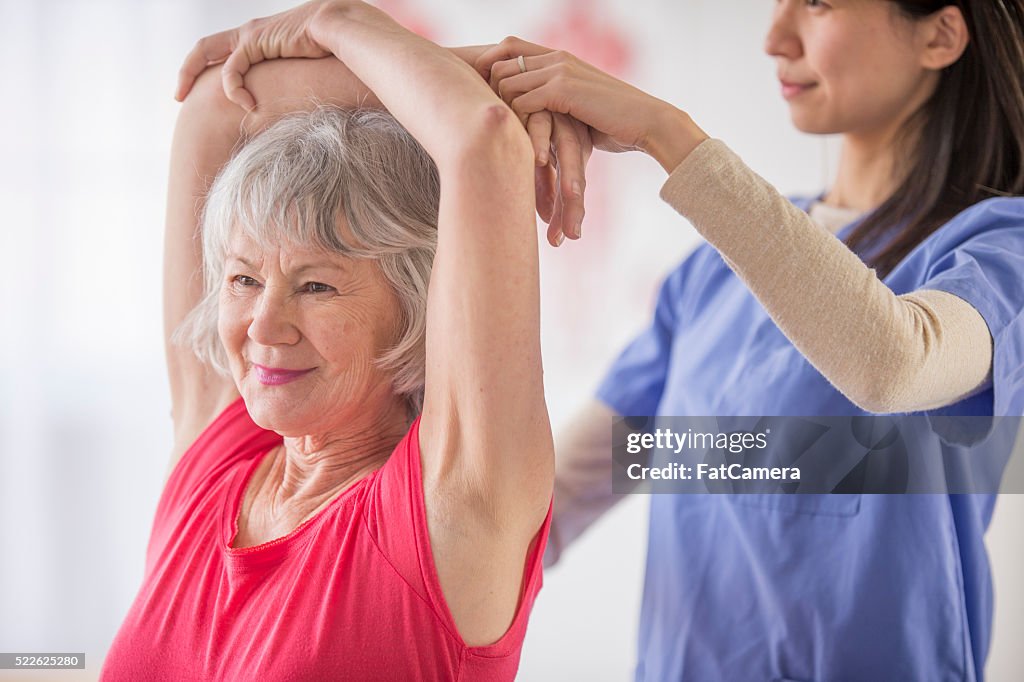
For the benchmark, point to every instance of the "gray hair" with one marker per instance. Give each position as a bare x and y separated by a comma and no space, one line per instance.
290,183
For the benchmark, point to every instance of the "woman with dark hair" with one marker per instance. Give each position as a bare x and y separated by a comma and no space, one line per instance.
900,289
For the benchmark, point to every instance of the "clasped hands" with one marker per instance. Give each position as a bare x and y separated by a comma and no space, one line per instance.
567,106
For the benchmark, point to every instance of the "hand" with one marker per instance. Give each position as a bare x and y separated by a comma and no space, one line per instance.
288,34
562,147
561,183
621,117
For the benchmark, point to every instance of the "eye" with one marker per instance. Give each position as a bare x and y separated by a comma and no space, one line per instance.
318,288
244,280
816,3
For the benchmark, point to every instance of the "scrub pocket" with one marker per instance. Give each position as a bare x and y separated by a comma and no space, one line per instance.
814,505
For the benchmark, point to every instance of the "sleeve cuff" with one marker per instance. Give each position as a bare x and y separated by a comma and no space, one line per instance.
692,187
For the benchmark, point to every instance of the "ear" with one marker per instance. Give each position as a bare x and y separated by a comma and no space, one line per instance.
944,37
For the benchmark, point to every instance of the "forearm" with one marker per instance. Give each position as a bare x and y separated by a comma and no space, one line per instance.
483,416
282,86
409,75
671,135
469,53
207,129
583,477
886,353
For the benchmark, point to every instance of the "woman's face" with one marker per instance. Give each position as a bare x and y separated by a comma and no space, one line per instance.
848,66
301,329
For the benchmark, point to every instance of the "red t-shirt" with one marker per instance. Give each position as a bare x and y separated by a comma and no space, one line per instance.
352,593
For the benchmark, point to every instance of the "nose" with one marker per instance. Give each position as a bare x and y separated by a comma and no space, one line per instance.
273,320
783,39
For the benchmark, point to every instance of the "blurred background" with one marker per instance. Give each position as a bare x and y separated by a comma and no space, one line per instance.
85,433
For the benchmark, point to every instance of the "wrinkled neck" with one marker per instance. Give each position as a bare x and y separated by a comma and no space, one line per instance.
306,471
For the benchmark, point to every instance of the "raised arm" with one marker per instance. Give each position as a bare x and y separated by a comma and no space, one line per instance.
886,353
207,129
583,476
484,433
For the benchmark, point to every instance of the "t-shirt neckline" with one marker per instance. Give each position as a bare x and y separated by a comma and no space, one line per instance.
274,550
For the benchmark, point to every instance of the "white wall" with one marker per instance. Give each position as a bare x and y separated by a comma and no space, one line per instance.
84,432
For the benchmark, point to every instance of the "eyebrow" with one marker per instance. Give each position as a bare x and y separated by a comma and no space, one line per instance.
241,260
315,265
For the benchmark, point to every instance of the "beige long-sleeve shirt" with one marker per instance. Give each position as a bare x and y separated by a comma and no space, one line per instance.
886,353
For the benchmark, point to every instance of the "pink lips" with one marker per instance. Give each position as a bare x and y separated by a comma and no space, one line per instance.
272,376
790,90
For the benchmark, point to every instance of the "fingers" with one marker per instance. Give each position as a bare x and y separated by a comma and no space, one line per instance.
555,234
560,184
571,155
511,86
507,68
287,34
509,48
550,82
233,77
545,180
209,50
556,95
538,126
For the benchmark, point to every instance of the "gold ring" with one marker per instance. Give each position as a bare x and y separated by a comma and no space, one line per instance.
521,61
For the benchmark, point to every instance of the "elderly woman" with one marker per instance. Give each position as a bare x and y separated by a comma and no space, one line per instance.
362,474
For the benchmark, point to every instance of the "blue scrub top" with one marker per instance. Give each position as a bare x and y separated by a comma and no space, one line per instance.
816,587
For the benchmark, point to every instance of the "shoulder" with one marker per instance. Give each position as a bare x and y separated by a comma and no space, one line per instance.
206,396
221,430
231,438
992,213
996,215
989,231
1009,205
995,222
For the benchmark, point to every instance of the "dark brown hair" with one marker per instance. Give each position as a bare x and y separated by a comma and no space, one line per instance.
966,143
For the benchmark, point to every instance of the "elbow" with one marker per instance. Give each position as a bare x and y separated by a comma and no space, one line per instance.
207,108
875,401
207,92
884,392
490,136
496,124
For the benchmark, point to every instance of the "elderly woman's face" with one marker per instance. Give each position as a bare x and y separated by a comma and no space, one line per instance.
302,329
